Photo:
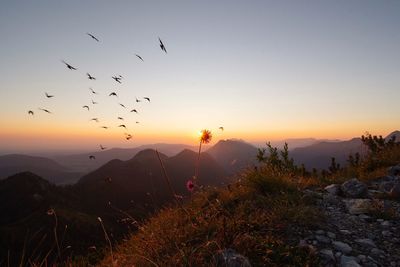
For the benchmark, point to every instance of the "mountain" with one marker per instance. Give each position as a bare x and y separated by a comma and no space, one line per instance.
82,163
140,182
233,155
396,134
319,155
44,167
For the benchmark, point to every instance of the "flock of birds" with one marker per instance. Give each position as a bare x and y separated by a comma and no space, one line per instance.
117,79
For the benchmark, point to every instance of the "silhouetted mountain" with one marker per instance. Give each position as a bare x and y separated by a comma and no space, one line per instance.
46,168
319,155
139,182
82,163
395,133
233,155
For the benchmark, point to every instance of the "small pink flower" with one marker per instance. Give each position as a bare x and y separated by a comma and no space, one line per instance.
190,185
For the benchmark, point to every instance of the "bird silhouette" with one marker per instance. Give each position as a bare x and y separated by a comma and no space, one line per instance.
45,110
94,92
221,128
113,94
90,77
139,57
147,98
162,46
122,105
128,136
104,127
137,122
95,119
86,107
117,79
102,147
94,103
122,125
120,118
137,100
92,157
68,65
30,112
134,110
49,96
93,37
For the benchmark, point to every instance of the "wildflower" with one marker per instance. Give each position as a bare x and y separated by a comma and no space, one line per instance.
190,185
205,137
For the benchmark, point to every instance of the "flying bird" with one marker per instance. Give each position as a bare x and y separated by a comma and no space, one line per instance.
102,147
94,92
30,112
68,65
120,118
122,125
49,96
104,127
92,157
94,103
113,94
117,79
95,119
134,110
162,46
86,107
90,77
137,122
137,100
139,57
93,37
45,110
221,128
147,98
128,136
122,105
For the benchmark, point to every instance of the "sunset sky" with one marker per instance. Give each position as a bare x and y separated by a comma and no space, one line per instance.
265,70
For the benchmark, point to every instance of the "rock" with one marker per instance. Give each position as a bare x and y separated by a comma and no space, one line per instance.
343,247
394,170
320,232
323,239
327,254
333,189
229,258
362,258
386,233
354,188
395,191
386,224
345,232
331,235
358,206
346,261
376,251
365,242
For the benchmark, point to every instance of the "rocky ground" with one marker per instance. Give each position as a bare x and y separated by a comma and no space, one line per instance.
361,226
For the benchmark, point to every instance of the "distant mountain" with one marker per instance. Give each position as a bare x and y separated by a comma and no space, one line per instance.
140,181
396,134
46,168
298,142
233,155
82,163
319,155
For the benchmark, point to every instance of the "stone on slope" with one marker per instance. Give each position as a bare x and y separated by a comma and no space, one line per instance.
341,246
353,188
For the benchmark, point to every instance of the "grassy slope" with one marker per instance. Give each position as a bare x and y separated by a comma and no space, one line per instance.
259,217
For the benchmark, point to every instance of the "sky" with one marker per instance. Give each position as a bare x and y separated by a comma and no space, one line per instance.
264,70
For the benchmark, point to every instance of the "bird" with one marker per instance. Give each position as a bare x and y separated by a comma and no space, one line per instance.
94,103
147,98
134,110
93,37
49,96
139,57
122,105
137,122
86,107
137,100
117,79
92,157
69,66
94,92
221,128
45,110
113,94
122,125
90,77
102,147
120,118
162,46
104,127
128,137
95,119
30,112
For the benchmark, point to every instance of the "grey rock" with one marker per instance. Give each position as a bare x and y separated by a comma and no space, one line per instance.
331,235
345,232
229,258
343,247
320,232
386,233
327,254
353,188
386,224
365,242
394,170
358,206
333,189
323,239
346,261
376,251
